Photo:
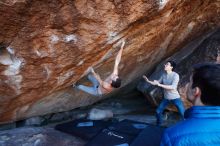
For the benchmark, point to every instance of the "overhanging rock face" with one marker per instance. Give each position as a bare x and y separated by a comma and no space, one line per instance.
46,46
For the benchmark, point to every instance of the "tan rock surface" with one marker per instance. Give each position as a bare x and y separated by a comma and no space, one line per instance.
46,46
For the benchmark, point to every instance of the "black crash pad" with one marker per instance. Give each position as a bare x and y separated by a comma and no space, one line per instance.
83,128
128,127
118,134
111,138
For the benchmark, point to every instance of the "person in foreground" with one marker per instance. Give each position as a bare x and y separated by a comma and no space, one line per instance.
202,124
168,81
100,86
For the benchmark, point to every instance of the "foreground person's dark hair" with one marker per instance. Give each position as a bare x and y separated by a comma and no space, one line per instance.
207,78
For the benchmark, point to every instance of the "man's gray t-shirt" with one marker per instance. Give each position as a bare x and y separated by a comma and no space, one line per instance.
173,80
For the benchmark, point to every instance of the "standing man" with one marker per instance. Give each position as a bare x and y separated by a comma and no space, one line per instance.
100,86
168,81
202,124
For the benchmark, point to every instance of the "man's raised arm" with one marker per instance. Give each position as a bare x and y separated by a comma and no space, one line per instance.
118,59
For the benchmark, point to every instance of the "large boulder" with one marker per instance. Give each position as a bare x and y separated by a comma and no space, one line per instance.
46,46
